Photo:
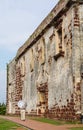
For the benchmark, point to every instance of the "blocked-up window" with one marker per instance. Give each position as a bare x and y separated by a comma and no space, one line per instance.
41,97
23,66
31,60
52,44
59,46
58,40
41,51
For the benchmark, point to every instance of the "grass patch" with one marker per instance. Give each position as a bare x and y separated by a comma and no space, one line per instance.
80,128
8,125
52,121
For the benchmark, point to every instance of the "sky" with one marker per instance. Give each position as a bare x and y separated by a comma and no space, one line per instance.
18,20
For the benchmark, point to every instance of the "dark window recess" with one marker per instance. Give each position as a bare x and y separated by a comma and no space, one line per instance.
10,84
61,53
60,38
81,70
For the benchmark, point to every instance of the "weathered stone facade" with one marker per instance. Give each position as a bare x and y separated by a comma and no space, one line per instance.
47,70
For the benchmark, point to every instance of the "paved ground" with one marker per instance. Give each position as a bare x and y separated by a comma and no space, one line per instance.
35,125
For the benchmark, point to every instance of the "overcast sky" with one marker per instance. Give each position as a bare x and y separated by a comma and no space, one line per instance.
18,20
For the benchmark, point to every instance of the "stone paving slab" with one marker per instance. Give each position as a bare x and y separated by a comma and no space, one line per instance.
36,125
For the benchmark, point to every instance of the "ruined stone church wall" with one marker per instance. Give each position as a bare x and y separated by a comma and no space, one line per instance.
57,72
48,75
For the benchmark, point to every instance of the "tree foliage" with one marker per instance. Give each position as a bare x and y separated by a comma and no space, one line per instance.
2,109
